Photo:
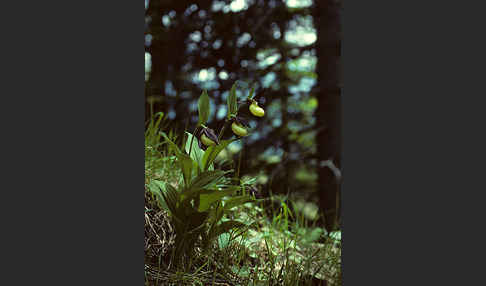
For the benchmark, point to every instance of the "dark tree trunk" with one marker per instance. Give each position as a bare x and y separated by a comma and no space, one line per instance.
284,87
328,114
156,82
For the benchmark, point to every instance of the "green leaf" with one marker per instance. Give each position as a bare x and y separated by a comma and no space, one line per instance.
185,162
151,134
196,152
202,181
212,152
232,101
172,144
171,197
236,201
216,213
314,235
203,108
223,240
156,188
207,178
228,226
208,197
248,180
252,91
160,115
241,271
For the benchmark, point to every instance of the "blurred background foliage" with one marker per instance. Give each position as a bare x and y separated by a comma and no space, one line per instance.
289,50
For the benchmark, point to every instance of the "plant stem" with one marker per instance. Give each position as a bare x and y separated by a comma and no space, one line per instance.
239,163
226,123
192,139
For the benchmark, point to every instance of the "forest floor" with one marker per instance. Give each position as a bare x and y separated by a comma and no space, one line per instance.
282,248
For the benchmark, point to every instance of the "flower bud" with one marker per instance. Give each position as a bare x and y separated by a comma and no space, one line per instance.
256,110
239,129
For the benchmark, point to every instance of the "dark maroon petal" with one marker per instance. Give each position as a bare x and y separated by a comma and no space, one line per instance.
202,146
211,135
242,121
199,132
